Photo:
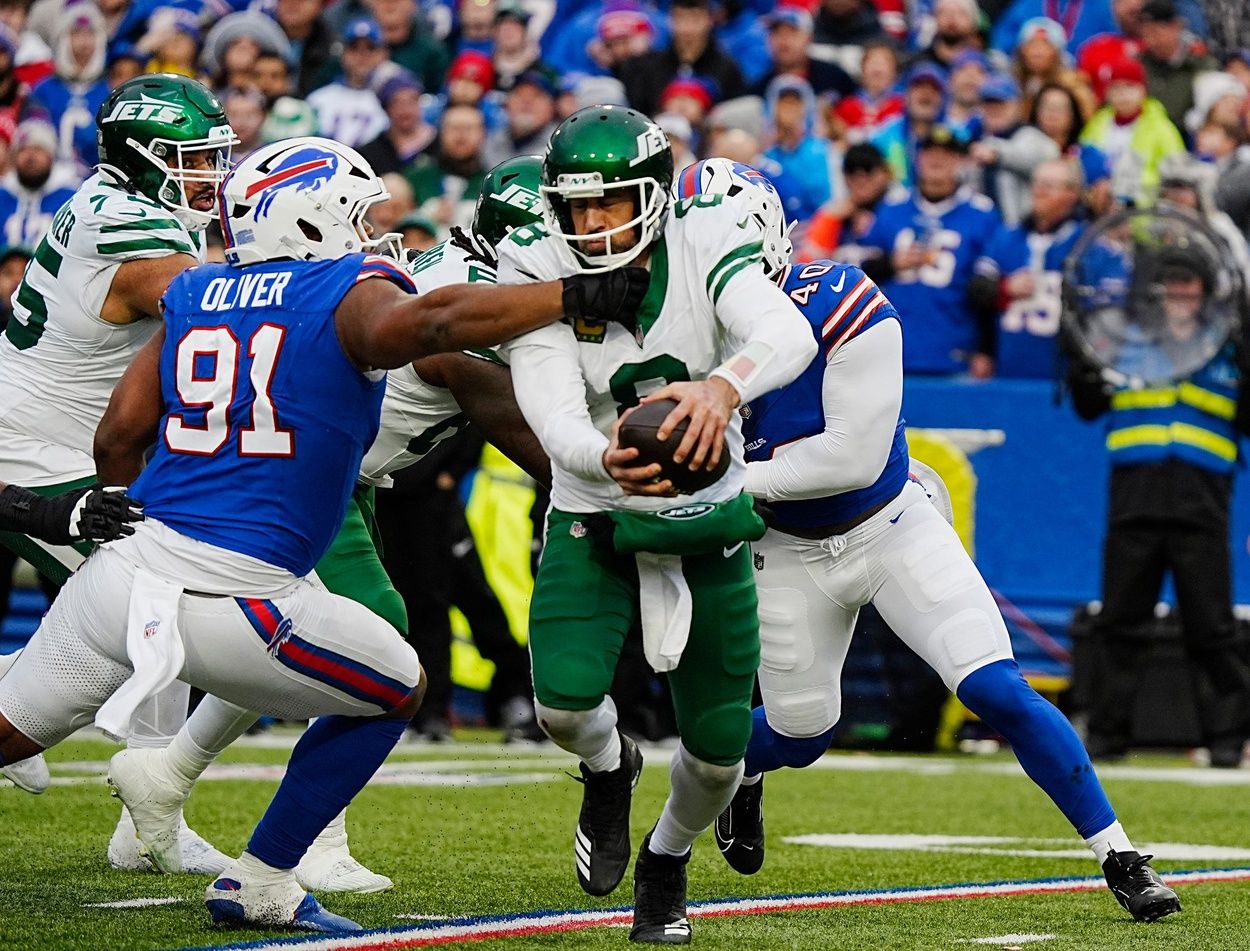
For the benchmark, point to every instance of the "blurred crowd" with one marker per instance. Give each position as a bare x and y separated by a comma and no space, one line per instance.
956,149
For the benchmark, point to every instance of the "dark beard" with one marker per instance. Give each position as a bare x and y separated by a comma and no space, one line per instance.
34,183
952,39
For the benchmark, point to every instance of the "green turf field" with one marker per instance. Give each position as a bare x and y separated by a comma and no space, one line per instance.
476,829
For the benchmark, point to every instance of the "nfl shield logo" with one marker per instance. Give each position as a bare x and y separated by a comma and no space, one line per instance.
150,629
578,530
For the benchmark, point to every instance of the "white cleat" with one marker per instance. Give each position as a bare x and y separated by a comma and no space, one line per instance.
276,900
328,865
152,829
30,775
198,856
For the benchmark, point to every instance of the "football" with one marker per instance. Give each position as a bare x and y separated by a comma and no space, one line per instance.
638,431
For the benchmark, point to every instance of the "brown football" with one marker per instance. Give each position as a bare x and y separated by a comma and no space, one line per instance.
638,431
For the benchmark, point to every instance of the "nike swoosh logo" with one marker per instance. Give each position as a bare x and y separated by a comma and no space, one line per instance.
837,288
894,520
729,552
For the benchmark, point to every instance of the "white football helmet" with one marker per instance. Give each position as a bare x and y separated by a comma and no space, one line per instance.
721,176
303,199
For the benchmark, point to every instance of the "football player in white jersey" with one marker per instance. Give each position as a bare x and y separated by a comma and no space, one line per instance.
711,332
85,307
850,526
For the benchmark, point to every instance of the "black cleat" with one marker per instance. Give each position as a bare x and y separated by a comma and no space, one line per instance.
740,830
1138,887
660,898
601,840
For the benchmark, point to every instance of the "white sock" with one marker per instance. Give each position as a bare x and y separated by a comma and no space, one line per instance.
1111,838
256,872
159,717
213,726
333,836
590,735
700,792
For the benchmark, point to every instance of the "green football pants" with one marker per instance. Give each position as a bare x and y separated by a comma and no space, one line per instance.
586,603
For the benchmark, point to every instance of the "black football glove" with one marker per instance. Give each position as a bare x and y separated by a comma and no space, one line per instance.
94,513
612,296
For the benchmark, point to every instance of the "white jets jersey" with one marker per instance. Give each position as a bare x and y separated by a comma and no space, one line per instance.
59,361
417,416
705,243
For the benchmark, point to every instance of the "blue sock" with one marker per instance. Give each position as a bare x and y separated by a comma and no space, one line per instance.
768,750
1043,740
332,761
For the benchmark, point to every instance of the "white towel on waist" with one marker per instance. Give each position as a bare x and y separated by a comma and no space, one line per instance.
154,647
667,608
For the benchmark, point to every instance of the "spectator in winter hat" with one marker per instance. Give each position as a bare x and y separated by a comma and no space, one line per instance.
801,153
531,118
1172,57
789,43
409,42
234,43
418,232
36,187
174,37
577,91
77,84
690,98
1009,150
680,137
408,134
1133,130
969,71
622,31
348,109
1218,97
922,108
1041,58
878,100
514,49
15,101
469,78
692,51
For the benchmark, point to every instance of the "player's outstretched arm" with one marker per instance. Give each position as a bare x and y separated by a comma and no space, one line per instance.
483,389
133,417
94,513
381,327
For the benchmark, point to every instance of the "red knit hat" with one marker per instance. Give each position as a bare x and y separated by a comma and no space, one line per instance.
1124,70
474,66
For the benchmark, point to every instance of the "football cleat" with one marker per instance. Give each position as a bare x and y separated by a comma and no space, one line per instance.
328,865
740,829
30,775
660,898
152,827
1138,887
601,840
232,901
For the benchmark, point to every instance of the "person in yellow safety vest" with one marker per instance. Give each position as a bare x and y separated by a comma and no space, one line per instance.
1173,450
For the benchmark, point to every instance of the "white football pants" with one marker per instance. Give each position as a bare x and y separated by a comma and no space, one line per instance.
301,654
908,562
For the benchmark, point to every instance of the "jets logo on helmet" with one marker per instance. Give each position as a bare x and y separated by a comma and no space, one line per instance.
651,142
518,196
750,188
144,109
305,169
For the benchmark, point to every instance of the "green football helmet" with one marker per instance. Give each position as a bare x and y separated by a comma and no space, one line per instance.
509,198
601,149
147,127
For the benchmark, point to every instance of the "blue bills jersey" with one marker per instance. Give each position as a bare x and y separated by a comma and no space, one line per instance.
266,420
840,303
939,325
1028,326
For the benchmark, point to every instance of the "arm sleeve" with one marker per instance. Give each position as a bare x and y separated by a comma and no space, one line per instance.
776,341
862,394
551,392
